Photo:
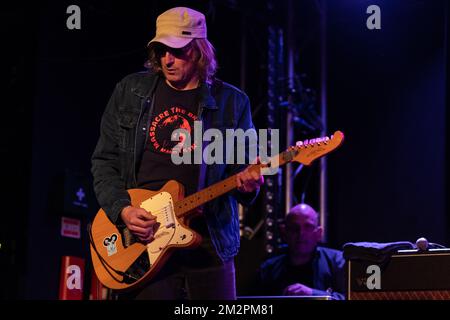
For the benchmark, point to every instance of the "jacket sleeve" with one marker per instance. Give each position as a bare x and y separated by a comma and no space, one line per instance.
109,186
339,291
245,122
336,263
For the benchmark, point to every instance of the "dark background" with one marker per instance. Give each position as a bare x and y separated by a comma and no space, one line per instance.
386,90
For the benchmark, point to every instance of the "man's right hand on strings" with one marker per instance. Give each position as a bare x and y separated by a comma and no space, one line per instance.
140,222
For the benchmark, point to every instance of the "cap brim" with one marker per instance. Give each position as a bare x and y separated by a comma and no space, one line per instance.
171,41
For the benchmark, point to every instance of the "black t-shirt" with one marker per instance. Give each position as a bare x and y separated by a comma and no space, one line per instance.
280,273
299,274
173,109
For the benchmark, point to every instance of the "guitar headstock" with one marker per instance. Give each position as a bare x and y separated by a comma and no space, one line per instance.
309,150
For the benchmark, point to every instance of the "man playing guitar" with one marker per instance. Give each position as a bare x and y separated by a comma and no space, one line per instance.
134,151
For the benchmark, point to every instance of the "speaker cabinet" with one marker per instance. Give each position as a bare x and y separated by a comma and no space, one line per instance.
408,275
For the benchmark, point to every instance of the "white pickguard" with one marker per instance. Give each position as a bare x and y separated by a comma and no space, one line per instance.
170,230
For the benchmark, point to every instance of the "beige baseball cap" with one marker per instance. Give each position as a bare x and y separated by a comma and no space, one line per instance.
177,27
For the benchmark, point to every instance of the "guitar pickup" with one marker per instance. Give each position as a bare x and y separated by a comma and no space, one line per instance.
161,205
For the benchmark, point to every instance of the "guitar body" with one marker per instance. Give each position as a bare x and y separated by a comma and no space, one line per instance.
112,251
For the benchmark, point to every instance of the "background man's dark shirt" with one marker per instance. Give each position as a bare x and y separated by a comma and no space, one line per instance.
325,274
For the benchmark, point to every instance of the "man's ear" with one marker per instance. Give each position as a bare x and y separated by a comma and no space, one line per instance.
319,234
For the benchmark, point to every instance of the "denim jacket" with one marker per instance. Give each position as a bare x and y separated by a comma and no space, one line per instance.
124,126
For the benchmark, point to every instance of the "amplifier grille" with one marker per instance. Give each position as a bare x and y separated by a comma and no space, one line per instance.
401,295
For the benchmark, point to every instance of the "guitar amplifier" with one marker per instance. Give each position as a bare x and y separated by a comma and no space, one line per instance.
408,275
284,298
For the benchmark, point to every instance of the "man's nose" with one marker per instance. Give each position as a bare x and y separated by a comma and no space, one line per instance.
168,58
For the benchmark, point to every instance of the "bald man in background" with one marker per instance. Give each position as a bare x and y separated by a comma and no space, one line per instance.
307,269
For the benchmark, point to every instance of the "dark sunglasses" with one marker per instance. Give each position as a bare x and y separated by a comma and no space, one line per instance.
160,51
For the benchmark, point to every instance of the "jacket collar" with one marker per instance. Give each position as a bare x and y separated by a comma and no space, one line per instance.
207,101
144,89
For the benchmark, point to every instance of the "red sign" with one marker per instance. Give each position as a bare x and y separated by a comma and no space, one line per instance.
71,278
70,228
98,291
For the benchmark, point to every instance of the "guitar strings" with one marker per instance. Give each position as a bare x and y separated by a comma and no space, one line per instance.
159,211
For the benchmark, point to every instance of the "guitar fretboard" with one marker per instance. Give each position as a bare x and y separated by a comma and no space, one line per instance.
197,199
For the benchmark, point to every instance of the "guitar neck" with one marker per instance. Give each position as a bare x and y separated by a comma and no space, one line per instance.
197,199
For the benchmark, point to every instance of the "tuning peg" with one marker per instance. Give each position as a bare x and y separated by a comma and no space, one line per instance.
311,142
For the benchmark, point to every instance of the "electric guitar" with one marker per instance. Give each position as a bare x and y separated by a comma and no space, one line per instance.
121,262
